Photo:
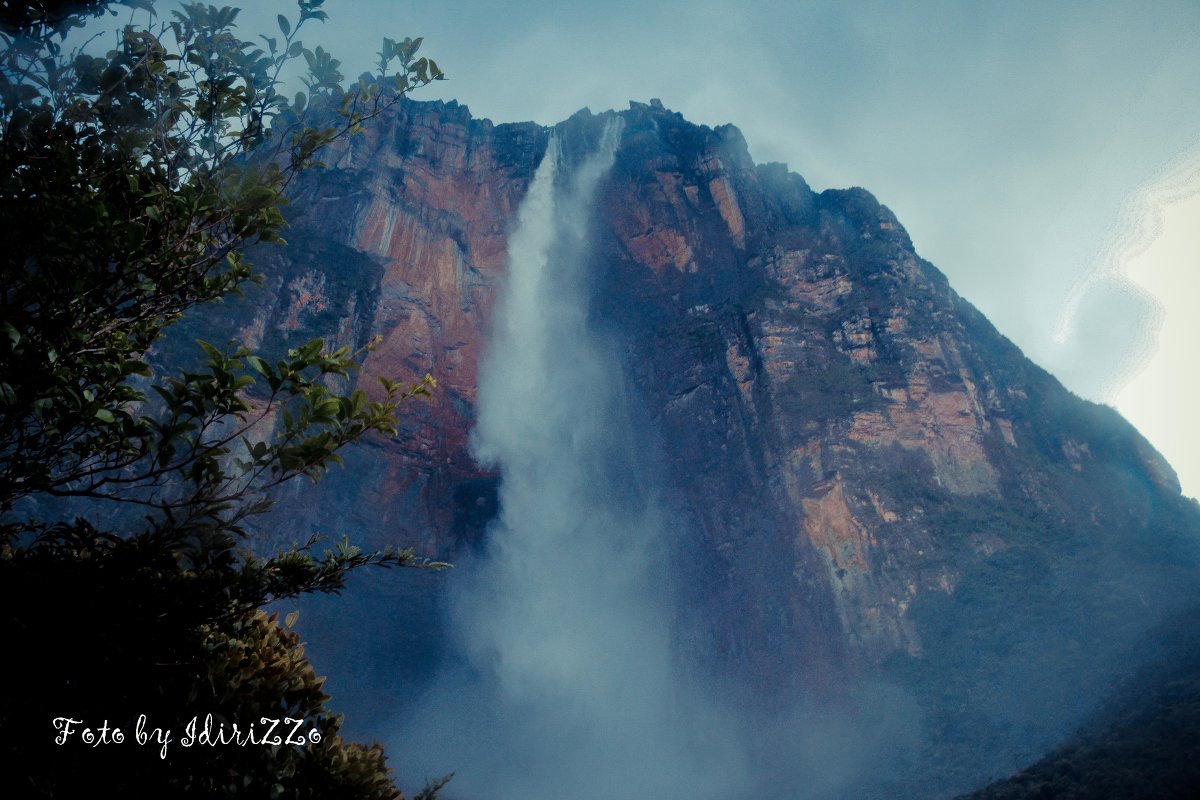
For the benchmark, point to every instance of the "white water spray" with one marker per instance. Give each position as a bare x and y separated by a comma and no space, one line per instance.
572,690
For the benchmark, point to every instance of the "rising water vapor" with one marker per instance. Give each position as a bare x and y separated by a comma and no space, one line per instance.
569,688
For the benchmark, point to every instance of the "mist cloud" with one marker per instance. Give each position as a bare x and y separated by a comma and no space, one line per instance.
568,686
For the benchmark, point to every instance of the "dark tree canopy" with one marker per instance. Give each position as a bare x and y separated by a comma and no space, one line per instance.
131,180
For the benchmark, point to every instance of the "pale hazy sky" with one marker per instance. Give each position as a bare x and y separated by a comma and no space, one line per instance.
1025,146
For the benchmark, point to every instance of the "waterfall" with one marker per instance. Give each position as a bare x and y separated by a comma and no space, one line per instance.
569,688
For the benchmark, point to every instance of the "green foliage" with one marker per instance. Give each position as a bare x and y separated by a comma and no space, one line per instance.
126,196
130,183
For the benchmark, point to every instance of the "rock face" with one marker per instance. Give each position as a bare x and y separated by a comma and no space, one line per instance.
866,477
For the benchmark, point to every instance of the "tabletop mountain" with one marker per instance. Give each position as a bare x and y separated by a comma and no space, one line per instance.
866,483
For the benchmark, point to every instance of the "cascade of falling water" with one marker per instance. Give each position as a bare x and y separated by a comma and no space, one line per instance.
571,690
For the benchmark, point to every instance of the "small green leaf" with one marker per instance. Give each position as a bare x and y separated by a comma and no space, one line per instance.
257,364
284,25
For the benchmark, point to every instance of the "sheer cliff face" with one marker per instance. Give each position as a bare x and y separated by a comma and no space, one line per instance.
400,244
863,474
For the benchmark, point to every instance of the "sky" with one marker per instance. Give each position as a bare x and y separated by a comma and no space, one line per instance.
1042,154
